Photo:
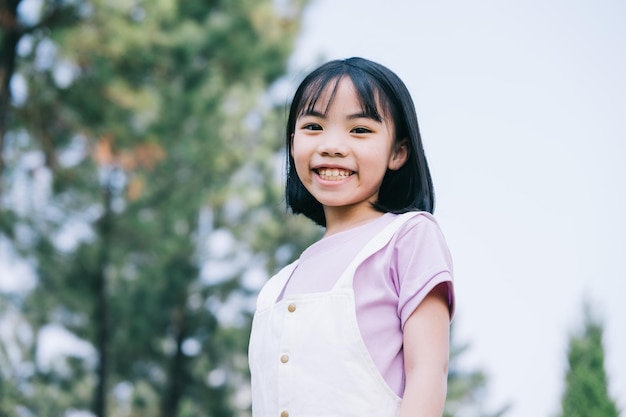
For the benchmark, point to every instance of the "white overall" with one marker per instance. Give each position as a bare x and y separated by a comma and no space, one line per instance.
306,354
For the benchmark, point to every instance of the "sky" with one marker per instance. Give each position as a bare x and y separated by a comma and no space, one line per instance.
522,109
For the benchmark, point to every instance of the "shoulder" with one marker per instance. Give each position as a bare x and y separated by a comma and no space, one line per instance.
415,246
419,225
419,217
422,235
415,231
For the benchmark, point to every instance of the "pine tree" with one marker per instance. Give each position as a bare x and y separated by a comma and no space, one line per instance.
139,138
586,383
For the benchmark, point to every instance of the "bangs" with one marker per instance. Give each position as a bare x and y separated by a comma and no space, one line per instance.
374,104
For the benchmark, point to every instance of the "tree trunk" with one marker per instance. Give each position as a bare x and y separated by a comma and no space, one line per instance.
172,396
8,44
101,310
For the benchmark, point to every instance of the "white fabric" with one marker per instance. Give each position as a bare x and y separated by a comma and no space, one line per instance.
306,354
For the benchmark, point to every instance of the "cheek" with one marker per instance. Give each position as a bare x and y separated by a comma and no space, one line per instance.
299,148
299,157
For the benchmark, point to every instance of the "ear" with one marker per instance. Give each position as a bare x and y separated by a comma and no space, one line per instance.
399,156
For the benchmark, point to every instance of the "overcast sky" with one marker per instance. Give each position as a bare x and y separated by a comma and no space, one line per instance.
522,108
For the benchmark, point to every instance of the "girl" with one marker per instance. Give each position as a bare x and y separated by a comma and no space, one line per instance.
359,325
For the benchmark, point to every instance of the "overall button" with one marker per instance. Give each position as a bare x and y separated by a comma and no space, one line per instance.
284,414
284,358
291,307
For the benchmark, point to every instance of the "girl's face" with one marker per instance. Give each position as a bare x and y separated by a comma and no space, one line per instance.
341,155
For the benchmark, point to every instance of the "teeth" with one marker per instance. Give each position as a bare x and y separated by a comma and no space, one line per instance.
333,173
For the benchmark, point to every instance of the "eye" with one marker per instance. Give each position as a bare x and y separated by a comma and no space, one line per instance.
311,126
361,130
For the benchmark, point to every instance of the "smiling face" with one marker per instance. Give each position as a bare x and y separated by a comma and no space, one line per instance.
341,154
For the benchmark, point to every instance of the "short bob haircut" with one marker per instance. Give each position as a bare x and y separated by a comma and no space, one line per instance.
409,188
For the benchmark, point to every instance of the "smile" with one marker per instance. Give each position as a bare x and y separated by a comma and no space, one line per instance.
333,174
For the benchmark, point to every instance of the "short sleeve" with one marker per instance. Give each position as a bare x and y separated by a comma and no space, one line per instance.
422,260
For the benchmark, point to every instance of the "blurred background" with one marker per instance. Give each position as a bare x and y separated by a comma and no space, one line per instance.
141,208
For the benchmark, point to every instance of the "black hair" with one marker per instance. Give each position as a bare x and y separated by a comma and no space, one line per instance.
409,188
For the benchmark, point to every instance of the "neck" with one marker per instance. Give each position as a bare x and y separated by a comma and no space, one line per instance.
343,218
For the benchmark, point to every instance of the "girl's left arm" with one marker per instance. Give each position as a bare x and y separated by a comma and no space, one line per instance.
426,354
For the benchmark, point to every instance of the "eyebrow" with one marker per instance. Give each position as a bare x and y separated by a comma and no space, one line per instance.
315,113
362,115
312,112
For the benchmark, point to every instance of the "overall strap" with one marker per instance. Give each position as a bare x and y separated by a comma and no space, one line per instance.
272,289
373,246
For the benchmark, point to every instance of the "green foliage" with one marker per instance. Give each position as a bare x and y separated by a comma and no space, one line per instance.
586,385
467,389
140,115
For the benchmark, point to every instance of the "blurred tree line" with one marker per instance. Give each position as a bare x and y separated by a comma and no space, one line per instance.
141,200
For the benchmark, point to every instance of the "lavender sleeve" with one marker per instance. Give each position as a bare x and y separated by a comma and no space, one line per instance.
422,261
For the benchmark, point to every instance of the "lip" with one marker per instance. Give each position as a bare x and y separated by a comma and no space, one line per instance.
331,166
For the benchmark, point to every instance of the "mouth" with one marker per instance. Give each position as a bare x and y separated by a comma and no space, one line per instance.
333,174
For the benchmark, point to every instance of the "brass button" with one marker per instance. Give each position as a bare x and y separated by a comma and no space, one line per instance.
284,358
291,307
284,414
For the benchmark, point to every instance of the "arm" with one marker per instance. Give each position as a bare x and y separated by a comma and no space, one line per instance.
426,352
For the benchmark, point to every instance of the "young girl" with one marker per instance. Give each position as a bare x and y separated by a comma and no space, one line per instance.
359,325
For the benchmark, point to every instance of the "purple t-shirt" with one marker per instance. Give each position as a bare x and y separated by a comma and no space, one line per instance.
388,285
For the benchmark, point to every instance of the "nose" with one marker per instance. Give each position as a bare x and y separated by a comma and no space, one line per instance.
332,144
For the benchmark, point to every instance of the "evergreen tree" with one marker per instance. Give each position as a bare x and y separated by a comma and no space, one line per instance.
586,384
139,139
